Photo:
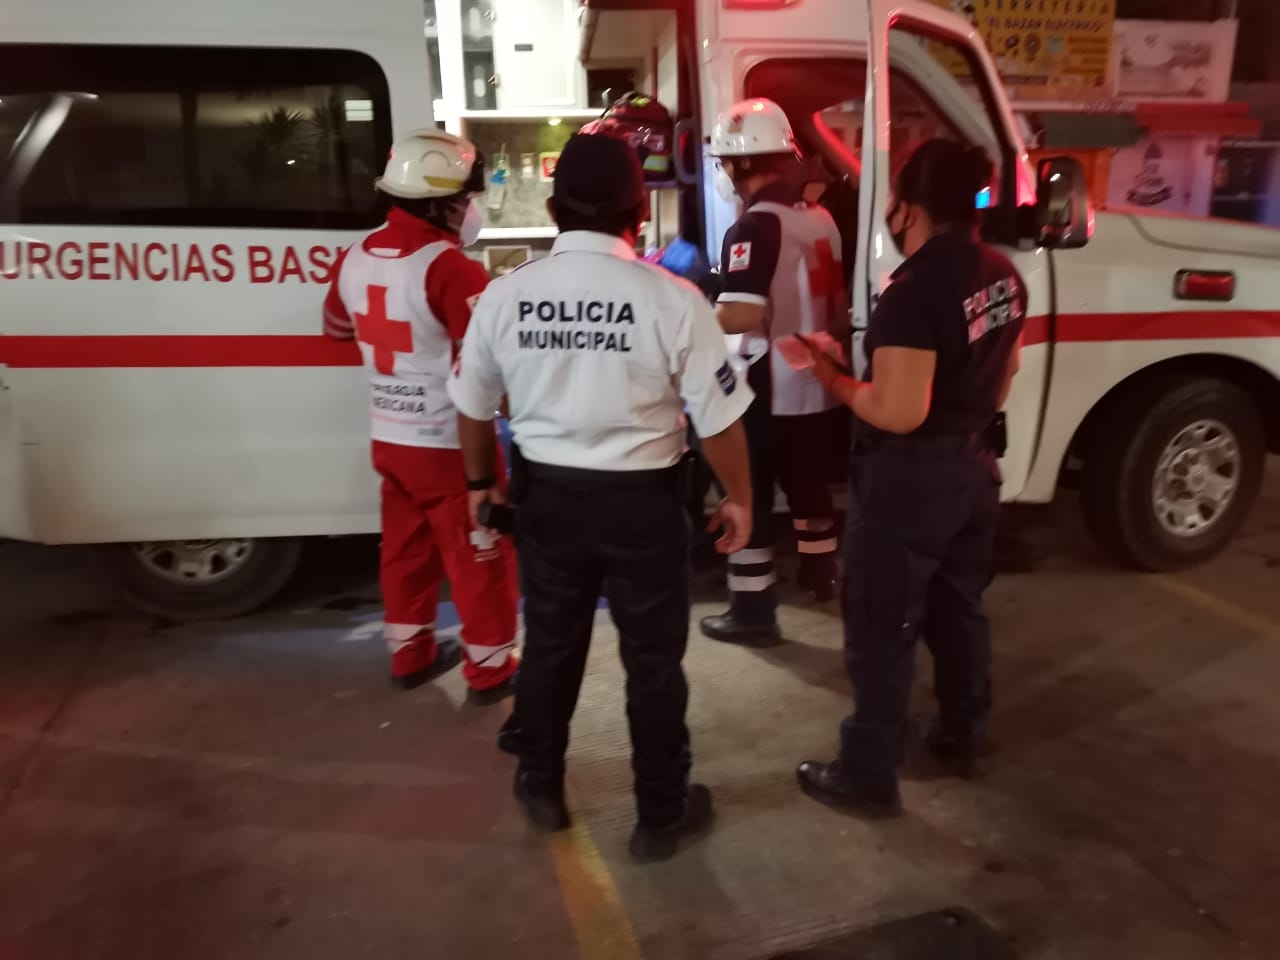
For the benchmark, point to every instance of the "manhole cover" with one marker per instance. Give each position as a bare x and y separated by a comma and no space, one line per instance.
945,935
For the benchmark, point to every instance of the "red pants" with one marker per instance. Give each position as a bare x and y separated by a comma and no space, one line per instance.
426,536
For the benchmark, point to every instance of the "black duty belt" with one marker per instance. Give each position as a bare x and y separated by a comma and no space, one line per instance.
574,476
946,445
994,439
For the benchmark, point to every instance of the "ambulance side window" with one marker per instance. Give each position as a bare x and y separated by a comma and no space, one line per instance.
823,99
936,92
191,136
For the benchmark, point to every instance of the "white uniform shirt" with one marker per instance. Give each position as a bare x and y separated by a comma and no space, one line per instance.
785,255
598,354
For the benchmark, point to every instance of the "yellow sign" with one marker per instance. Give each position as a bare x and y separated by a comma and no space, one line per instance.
1055,49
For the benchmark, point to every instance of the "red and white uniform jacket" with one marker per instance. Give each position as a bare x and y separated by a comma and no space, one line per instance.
405,293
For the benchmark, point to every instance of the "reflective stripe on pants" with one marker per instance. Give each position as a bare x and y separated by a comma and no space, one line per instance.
426,535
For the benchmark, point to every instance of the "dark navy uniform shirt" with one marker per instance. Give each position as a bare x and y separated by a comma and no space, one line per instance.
785,256
966,302
749,256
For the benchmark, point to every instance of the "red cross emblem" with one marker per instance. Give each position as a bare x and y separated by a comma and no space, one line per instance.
739,251
825,277
387,337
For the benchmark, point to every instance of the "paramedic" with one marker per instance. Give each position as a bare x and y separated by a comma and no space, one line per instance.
943,346
599,354
781,274
405,293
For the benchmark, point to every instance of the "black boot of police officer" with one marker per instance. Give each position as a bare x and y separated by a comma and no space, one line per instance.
924,489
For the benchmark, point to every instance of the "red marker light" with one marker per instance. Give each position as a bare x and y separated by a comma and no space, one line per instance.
1218,285
758,4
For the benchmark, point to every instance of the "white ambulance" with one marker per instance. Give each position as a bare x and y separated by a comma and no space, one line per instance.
179,176
178,179
1151,368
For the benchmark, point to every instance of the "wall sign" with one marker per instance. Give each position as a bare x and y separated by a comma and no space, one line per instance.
1175,60
1046,49
1170,174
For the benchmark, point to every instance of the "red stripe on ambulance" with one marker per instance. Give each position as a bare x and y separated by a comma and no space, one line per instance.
40,352
181,351
1171,325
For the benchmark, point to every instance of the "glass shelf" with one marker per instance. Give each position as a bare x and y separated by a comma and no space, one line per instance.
520,152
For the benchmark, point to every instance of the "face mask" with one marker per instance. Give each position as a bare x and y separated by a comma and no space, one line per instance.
900,237
724,186
472,221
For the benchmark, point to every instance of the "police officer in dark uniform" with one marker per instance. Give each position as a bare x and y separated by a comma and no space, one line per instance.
943,346
600,355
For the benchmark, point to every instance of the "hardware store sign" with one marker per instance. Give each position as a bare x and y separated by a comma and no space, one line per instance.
1046,49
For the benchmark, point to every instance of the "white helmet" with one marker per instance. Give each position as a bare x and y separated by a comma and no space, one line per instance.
752,128
431,163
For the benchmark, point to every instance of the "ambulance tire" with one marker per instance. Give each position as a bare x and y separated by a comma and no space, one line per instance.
1124,454
255,576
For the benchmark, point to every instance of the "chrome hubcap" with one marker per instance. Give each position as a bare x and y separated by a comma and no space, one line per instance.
1196,478
194,562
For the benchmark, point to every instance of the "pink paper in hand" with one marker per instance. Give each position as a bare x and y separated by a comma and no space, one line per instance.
795,353
828,345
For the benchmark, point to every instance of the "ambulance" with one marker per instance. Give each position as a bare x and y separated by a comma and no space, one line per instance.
180,176
1151,364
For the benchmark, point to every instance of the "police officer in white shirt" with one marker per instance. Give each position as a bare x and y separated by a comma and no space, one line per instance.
598,354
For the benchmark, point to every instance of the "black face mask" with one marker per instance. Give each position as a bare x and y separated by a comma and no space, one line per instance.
900,237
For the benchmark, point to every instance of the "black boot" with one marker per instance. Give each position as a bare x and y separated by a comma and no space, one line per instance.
818,575
542,801
728,628
962,756
511,737
651,844
828,784
448,656
751,620
492,695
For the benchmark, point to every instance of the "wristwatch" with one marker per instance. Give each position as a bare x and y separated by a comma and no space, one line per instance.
482,484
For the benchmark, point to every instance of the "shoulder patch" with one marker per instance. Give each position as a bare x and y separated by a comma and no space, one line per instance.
727,379
739,256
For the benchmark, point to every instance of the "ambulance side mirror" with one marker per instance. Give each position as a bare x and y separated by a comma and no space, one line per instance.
1064,215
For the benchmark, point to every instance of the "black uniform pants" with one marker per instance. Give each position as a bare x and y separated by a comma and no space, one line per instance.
802,454
581,535
919,552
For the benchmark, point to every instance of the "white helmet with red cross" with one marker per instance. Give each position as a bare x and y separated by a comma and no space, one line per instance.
753,128
431,163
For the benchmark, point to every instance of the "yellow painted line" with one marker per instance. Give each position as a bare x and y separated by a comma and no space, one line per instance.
1224,609
591,898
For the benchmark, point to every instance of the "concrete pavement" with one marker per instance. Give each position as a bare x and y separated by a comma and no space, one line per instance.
254,789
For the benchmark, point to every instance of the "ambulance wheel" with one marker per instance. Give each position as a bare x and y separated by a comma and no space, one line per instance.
1172,471
203,579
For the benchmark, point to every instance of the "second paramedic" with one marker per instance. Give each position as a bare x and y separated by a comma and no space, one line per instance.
780,274
405,293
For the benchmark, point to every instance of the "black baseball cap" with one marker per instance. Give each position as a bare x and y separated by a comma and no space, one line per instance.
599,175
